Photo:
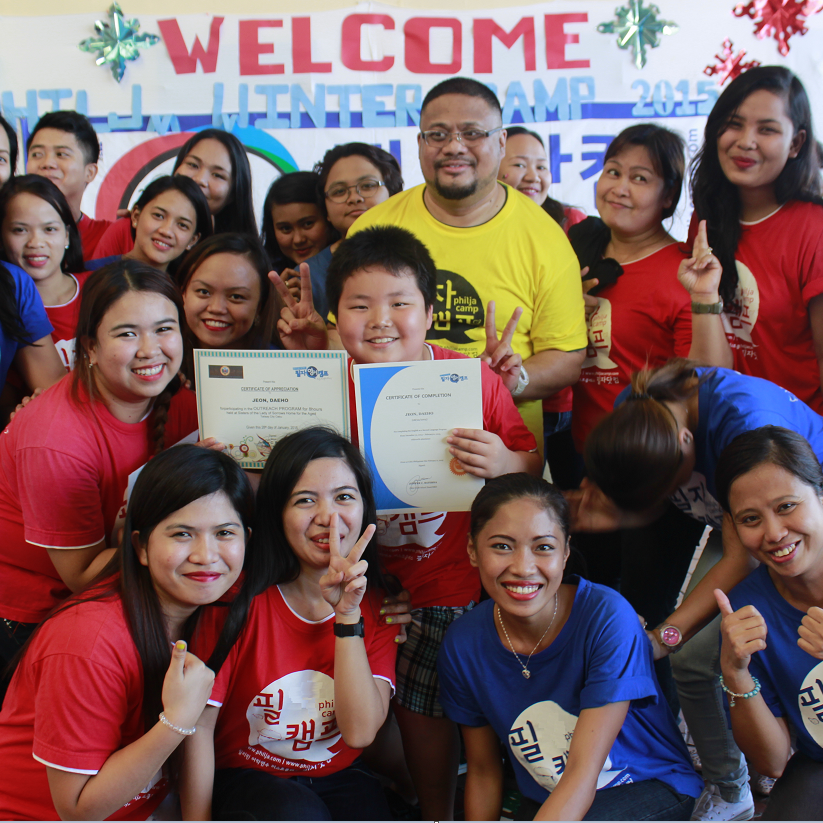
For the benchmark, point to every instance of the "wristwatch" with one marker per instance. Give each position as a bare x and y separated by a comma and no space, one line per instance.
350,629
670,637
522,382
707,308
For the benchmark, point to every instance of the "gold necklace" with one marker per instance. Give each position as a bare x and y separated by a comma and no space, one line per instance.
526,673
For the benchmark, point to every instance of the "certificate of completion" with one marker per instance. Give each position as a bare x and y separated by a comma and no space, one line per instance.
250,399
404,414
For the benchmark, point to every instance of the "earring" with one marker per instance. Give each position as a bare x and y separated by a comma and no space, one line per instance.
67,245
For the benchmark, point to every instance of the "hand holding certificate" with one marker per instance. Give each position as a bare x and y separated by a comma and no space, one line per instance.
250,399
405,412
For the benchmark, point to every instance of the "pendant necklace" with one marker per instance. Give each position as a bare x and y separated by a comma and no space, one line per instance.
526,673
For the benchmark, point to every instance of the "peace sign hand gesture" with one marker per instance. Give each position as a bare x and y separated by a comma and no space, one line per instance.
344,584
499,354
300,326
700,274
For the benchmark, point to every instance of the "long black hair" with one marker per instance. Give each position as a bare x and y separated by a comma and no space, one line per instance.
717,200
13,144
270,559
43,188
238,212
169,482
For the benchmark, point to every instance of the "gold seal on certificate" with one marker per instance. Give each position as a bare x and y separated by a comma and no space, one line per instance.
250,399
405,411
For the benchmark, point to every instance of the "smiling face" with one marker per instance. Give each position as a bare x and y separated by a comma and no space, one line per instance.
521,554
382,317
5,157
195,555
779,519
164,229
456,171
58,156
526,167
300,230
137,351
758,141
209,165
222,301
327,486
34,237
348,171
630,195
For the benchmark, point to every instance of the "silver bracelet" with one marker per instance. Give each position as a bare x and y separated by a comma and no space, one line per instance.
166,722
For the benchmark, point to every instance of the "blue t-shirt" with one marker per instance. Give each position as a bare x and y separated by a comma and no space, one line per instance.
730,403
791,679
601,656
33,315
318,266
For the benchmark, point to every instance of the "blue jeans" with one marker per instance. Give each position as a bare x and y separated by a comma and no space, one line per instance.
645,800
696,668
252,794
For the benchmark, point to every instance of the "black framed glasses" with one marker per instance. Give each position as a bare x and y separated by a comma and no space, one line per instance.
437,138
366,188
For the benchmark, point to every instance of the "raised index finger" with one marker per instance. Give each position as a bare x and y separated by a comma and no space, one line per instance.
305,285
701,241
283,290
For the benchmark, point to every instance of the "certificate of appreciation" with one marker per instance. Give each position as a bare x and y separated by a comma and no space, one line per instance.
250,399
404,414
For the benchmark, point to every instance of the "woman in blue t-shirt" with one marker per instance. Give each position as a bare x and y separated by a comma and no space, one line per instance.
770,482
559,670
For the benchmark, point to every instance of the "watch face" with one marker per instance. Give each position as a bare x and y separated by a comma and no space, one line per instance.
670,636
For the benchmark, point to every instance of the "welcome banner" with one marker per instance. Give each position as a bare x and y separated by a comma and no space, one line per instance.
292,85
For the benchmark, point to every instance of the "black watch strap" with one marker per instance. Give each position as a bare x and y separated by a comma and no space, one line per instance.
350,629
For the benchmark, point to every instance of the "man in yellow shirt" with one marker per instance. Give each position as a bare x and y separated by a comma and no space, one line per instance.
490,243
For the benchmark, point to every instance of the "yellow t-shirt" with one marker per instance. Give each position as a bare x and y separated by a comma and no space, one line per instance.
520,257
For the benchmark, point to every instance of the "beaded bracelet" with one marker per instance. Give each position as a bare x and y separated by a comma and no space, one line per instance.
166,722
746,696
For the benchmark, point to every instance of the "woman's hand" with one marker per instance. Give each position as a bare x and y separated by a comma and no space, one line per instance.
590,302
211,443
700,274
498,353
397,611
811,633
292,280
186,687
479,452
744,633
344,584
301,327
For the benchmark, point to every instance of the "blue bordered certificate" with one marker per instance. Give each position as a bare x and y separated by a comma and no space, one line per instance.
250,399
404,414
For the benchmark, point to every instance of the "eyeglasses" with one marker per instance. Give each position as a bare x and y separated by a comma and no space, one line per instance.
367,188
438,138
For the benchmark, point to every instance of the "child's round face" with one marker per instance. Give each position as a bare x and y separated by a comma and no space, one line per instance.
34,236
222,300
382,317
165,228
758,141
521,555
195,555
300,230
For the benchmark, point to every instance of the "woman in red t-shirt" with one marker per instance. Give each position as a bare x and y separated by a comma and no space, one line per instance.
105,692
307,683
757,183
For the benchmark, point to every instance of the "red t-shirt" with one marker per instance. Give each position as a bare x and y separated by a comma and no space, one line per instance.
276,688
643,318
64,319
426,551
75,699
780,269
90,233
116,240
64,471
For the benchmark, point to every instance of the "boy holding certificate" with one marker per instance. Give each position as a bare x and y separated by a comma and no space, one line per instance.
381,286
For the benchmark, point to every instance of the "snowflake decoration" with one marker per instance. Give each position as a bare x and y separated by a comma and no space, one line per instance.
117,41
637,27
729,65
778,18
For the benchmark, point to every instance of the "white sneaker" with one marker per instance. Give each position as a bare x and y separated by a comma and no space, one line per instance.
711,806
764,785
